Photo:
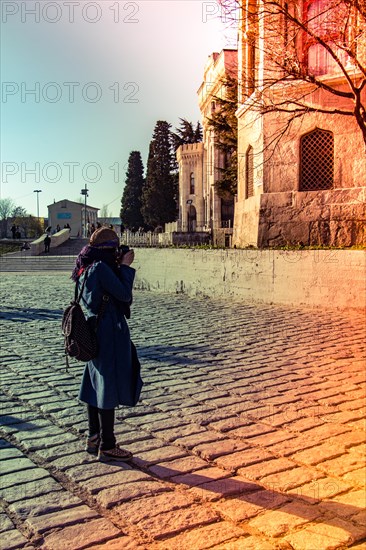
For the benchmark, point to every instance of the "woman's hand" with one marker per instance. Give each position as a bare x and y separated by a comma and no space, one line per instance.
127,258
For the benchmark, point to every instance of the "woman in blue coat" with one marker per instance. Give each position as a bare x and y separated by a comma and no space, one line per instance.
108,379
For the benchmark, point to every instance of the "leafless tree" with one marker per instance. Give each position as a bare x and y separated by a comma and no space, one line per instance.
314,53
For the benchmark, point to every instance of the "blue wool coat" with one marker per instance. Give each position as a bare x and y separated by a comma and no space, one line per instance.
106,378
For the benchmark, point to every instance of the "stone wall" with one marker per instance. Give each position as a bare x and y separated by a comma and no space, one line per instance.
313,278
330,218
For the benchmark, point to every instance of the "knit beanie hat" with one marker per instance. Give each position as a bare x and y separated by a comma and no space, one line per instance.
104,238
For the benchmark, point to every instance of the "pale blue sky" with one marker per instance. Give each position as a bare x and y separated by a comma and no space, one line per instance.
149,53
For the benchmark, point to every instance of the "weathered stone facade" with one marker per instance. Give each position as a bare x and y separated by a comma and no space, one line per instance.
200,207
277,210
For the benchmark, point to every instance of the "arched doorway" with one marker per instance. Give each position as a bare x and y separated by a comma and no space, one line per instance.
192,218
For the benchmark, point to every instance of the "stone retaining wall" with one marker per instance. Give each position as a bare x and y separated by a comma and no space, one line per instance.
326,278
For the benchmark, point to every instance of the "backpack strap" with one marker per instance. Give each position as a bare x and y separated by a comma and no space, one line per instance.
78,295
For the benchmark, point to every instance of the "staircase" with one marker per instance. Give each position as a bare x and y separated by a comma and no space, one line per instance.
61,258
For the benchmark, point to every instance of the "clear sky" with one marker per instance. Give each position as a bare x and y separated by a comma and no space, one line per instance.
83,84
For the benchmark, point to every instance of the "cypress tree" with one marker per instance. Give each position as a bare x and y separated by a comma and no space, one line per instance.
131,215
159,196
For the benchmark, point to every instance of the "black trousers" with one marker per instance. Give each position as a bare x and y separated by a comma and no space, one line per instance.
101,421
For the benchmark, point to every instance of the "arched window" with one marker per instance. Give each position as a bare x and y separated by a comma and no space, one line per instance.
249,173
316,160
191,183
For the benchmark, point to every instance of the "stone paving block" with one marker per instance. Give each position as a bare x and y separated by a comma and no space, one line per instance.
244,458
202,538
119,543
274,523
220,447
357,477
177,521
61,518
251,430
15,464
223,488
83,472
149,458
29,490
346,505
289,479
44,504
272,466
143,445
329,535
115,495
57,451
14,539
358,450
171,434
358,424
81,535
242,508
360,518
33,425
9,453
231,423
205,436
320,489
22,476
12,413
248,543
5,523
31,442
146,507
192,479
166,470
344,417
341,465
318,454
75,459
99,483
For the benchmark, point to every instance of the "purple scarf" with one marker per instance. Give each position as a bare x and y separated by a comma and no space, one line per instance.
90,254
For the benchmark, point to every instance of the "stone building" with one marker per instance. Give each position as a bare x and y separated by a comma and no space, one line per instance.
73,213
200,207
308,186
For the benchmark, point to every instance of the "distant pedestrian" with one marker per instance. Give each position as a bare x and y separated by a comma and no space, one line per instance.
47,243
58,228
13,230
17,233
92,228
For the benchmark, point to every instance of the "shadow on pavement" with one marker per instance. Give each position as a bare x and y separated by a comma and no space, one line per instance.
24,315
314,506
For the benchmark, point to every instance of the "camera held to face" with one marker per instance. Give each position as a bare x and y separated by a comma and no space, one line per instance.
121,251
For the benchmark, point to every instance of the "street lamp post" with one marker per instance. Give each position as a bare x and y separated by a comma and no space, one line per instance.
85,193
38,191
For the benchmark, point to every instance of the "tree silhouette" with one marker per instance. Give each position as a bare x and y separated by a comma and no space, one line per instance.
159,197
186,133
131,215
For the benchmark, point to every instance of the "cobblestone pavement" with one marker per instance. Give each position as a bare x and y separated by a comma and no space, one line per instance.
250,433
